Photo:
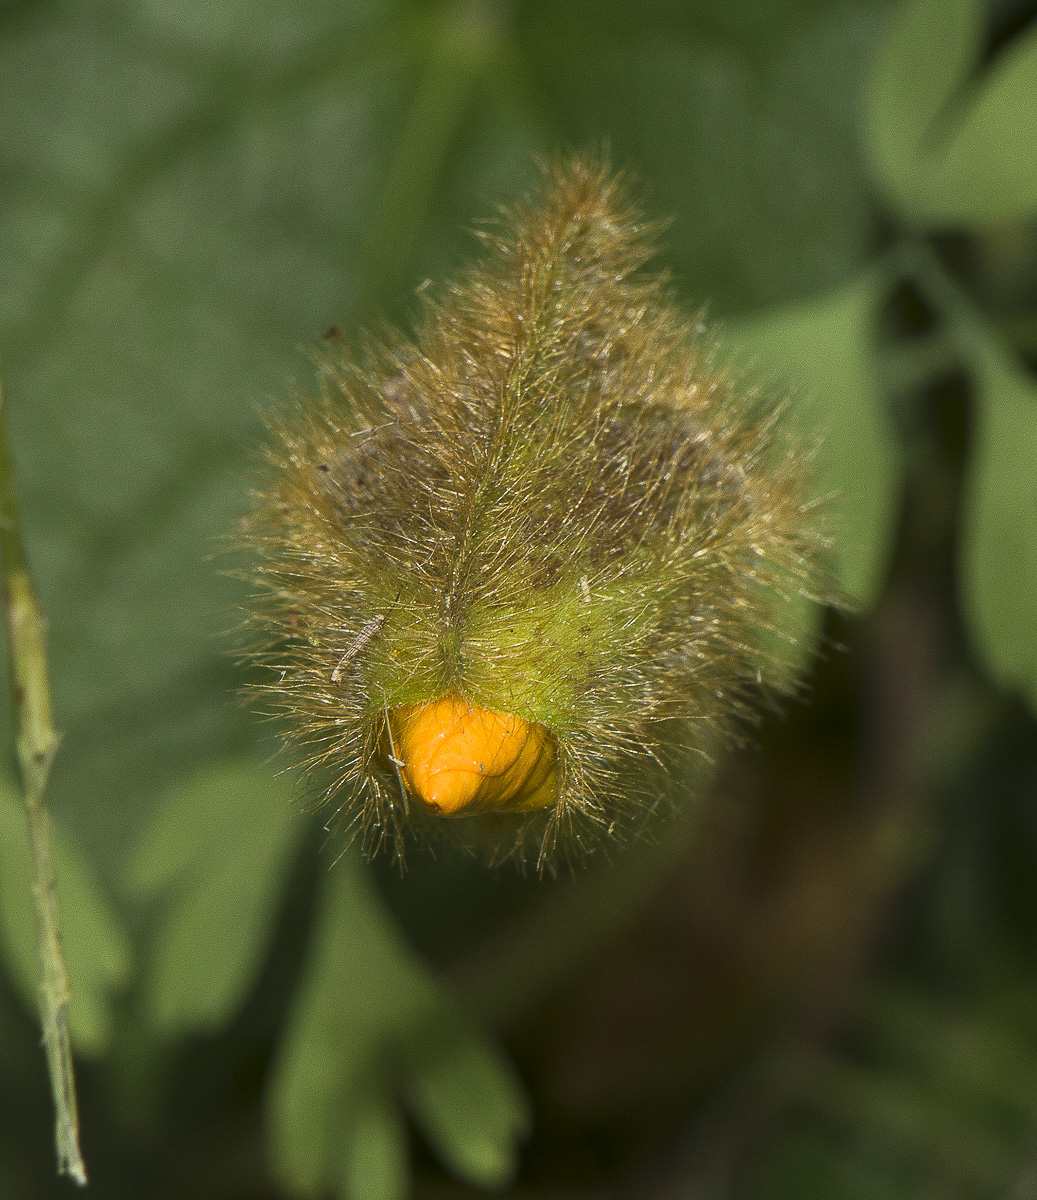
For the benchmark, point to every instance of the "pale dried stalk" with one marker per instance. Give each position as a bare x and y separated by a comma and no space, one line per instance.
37,742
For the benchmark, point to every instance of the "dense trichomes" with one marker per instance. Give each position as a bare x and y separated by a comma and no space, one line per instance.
510,568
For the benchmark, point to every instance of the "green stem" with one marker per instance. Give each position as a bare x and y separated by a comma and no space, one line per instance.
457,42
910,364
975,335
37,742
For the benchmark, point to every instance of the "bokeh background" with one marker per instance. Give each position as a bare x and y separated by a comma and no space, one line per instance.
822,982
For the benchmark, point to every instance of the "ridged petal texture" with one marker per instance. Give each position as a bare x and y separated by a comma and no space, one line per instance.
459,759
550,524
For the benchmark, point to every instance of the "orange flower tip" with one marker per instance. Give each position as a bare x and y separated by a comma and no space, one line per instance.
458,759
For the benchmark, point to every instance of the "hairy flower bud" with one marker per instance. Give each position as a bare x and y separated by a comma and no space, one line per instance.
509,564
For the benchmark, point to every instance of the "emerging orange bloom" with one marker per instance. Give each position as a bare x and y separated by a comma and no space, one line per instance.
457,759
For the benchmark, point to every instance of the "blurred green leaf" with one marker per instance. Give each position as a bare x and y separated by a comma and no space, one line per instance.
96,948
929,50
374,1152
823,351
256,34
988,168
215,856
183,212
371,1023
946,148
999,527
463,1104
741,118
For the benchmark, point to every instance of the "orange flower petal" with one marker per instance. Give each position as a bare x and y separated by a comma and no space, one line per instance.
457,758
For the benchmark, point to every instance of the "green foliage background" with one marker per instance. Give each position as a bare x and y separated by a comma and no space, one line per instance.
824,983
